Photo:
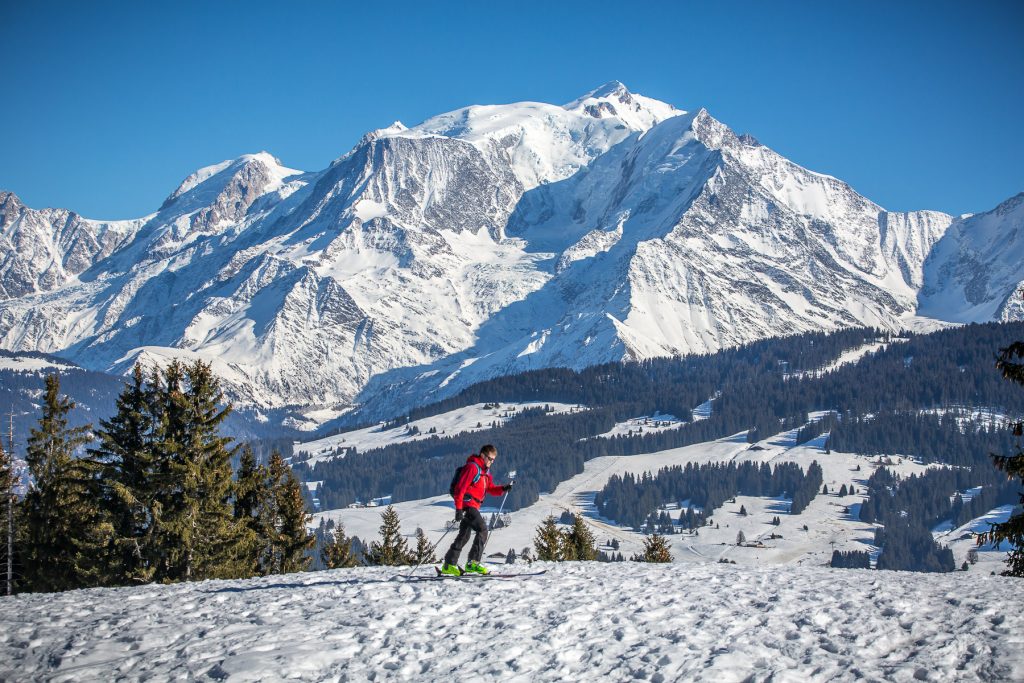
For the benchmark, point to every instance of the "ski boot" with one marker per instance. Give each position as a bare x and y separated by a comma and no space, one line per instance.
476,568
451,570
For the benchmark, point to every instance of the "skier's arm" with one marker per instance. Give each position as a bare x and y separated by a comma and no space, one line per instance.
493,490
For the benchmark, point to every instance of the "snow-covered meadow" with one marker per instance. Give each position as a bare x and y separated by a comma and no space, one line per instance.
579,621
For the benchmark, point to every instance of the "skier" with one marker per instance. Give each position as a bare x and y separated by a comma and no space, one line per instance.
471,486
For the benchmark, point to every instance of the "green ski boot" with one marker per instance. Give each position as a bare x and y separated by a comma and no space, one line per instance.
451,570
476,568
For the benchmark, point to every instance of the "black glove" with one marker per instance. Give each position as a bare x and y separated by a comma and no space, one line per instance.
459,514
507,487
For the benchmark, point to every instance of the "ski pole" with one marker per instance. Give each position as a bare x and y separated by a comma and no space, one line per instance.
512,479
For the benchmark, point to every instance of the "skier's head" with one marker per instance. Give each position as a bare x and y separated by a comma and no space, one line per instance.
489,453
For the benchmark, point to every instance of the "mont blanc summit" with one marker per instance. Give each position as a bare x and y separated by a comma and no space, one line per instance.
489,240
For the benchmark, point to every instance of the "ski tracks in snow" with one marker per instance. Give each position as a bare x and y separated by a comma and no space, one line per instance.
619,621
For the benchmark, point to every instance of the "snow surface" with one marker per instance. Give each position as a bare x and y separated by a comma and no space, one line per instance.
459,421
579,621
29,364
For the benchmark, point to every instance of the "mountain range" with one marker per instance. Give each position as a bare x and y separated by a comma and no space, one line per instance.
487,241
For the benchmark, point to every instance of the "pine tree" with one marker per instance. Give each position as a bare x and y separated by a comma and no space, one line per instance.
255,510
548,541
292,539
65,538
582,540
392,550
510,556
566,547
740,538
129,475
424,551
199,536
337,553
1012,530
655,550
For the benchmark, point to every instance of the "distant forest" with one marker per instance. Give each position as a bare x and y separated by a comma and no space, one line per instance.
761,389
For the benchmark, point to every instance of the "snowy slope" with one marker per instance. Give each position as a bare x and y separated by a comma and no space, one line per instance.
976,271
460,421
831,520
580,621
485,241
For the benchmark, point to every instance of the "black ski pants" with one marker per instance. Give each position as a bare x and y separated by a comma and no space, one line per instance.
472,521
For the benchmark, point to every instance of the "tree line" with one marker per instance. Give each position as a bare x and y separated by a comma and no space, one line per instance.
151,495
630,499
759,389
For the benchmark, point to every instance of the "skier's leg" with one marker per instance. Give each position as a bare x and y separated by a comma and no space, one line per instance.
476,552
465,529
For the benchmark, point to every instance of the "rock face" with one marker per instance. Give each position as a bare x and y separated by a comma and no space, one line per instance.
490,240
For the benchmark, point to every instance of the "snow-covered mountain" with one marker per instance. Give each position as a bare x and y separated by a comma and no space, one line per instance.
489,240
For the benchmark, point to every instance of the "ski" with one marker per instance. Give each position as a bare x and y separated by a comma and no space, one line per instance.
474,577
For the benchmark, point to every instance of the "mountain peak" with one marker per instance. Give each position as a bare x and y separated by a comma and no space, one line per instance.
612,90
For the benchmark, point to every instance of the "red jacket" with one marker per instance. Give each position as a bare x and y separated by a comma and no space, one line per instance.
470,494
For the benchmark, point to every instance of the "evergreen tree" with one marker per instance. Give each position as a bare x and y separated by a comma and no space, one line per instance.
566,547
424,552
582,540
256,513
129,475
199,535
1012,530
291,537
548,541
392,550
337,552
655,550
510,556
65,537
740,538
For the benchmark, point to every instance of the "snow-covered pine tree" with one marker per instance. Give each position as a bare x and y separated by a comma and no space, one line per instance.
292,539
391,550
548,541
1012,530
65,533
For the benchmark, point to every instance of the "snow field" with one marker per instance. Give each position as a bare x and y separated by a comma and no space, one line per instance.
459,421
580,621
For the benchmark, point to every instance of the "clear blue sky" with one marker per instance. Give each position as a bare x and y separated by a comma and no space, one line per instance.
108,106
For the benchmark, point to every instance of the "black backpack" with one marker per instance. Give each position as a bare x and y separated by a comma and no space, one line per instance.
458,473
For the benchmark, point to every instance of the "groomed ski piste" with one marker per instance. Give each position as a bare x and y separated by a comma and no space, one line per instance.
580,621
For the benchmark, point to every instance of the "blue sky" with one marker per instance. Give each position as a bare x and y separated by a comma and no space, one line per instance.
108,106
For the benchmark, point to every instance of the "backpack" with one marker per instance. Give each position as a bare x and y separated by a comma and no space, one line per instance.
458,474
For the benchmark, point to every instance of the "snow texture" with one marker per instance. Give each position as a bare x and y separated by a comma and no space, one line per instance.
579,621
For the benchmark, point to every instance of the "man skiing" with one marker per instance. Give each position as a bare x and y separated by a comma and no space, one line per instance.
473,483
